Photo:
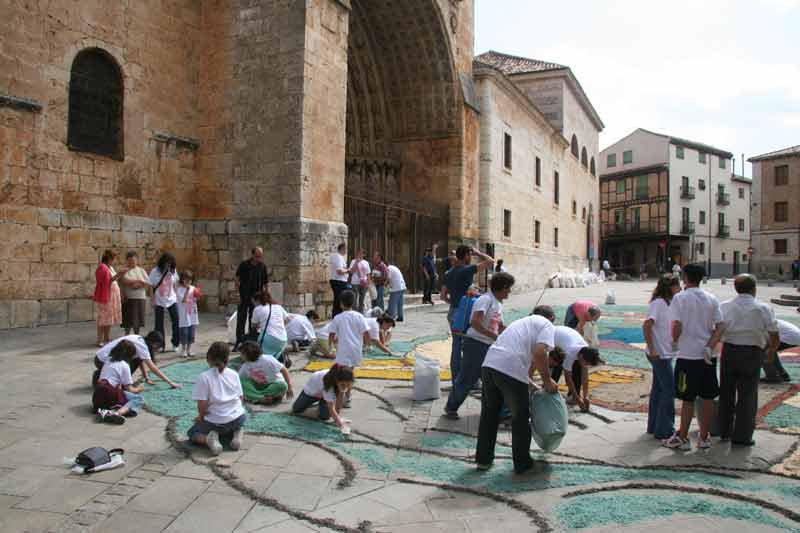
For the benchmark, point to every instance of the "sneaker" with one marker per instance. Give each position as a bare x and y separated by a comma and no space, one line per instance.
236,441
451,415
179,352
346,404
108,416
704,444
676,442
212,441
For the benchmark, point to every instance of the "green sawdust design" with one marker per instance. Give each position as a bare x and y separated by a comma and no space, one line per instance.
784,416
596,510
623,357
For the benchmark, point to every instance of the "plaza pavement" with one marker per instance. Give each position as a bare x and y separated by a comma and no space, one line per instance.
284,485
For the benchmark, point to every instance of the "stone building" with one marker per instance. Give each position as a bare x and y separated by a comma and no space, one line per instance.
664,197
776,210
207,127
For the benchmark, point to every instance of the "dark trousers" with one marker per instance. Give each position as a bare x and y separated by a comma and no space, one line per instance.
499,388
775,371
738,395
570,320
427,290
244,313
338,287
173,316
577,375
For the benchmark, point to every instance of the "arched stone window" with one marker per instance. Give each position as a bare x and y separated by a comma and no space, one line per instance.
584,158
592,168
574,146
95,104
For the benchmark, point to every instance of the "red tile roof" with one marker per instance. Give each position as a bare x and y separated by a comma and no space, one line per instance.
510,65
792,151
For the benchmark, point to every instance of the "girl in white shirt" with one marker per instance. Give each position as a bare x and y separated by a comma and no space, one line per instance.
115,387
219,395
188,318
264,379
328,388
658,334
270,320
380,331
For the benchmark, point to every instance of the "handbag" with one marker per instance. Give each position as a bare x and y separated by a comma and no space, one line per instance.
259,337
92,458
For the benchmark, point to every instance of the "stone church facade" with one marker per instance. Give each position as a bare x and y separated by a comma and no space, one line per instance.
209,127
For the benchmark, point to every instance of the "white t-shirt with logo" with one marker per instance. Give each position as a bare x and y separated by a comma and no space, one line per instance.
658,312
571,342
265,369
315,387
492,317
396,280
277,321
338,262
116,373
789,333
223,392
698,312
164,295
187,307
142,351
349,328
512,352
300,328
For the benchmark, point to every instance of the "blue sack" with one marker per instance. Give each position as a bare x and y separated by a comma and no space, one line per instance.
548,419
463,314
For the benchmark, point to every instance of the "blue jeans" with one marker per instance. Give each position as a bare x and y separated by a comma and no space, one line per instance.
304,401
470,373
187,335
455,349
135,401
570,320
378,301
396,305
225,431
661,412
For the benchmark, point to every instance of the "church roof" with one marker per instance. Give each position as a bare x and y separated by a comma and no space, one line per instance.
792,151
510,65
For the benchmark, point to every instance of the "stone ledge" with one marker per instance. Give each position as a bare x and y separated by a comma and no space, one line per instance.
180,142
22,104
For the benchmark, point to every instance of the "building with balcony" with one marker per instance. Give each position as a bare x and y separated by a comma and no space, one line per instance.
776,210
665,199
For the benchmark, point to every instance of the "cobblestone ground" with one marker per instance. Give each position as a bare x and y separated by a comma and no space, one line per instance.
404,468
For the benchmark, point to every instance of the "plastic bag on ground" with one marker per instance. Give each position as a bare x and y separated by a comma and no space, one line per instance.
611,297
426,379
548,419
232,328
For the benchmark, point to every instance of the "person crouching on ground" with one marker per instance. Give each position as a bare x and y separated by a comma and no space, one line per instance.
661,410
218,393
115,396
300,330
264,379
578,357
789,336
485,324
329,388
349,332
580,313
146,349
380,332
510,362
322,347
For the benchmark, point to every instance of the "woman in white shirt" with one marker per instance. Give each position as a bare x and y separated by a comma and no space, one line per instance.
658,334
270,321
164,280
397,288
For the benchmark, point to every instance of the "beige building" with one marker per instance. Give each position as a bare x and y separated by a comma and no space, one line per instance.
538,185
776,210
666,199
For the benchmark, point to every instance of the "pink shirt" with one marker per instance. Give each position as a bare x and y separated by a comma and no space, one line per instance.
581,309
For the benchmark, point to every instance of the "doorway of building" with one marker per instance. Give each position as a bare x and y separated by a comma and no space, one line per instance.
735,263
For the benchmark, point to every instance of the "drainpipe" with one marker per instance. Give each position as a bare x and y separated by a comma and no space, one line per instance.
709,188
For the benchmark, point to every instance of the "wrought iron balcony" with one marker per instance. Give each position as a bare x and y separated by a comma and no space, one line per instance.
687,228
687,192
723,198
724,231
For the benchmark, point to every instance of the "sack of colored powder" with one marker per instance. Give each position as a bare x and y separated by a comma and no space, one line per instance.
426,379
548,419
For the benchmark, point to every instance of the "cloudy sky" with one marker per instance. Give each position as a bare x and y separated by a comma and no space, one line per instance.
722,72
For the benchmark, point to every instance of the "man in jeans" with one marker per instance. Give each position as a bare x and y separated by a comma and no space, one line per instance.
522,348
486,323
748,325
456,283
251,278
429,273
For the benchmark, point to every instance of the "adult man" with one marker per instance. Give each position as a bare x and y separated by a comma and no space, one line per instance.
696,329
789,335
456,282
748,323
146,348
578,357
606,267
380,276
579,313
522,348
338,277
429,275
251,278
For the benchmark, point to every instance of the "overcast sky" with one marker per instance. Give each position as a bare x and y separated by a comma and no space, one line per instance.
722,72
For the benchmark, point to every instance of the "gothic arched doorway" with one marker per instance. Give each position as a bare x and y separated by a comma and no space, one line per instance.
403,130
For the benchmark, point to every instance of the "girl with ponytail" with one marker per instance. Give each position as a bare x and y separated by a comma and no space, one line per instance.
328,388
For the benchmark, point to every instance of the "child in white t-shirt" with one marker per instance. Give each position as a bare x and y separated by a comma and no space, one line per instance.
264,379
300,330
380,332
348,332
188,318
329,388
115,387
218,392
322,347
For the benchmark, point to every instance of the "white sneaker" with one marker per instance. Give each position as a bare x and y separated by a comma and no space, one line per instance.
179,351
236,441
704,444
676,442
212,441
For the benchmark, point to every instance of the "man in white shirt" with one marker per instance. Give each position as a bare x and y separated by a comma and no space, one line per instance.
749,324
578,357
338,275
789,335
696,329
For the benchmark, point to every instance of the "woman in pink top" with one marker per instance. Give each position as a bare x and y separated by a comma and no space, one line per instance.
107,296
580,313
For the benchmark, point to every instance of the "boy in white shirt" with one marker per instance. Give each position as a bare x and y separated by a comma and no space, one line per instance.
300,330
219,395
349,332
578,357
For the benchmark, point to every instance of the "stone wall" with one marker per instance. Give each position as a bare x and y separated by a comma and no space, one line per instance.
765,229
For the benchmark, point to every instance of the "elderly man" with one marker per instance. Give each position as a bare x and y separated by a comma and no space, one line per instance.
251,278
748,325
579,313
